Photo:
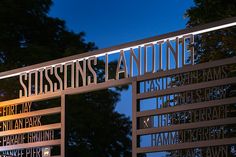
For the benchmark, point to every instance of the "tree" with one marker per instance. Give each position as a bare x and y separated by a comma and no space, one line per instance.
215,45
101,133
29,36
218,44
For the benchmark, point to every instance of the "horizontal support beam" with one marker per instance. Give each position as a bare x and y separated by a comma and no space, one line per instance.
187,145
31,99
99,86
49,111
186,107
31,145
209,123
31,129
71,91
229,22
187,68
187,88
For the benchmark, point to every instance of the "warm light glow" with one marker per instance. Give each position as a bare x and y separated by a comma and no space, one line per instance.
46,152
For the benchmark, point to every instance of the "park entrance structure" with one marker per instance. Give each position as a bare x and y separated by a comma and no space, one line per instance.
192,110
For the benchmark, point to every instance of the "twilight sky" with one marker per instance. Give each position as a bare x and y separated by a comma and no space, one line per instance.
113,22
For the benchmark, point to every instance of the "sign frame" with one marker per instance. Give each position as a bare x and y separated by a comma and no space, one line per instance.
131,81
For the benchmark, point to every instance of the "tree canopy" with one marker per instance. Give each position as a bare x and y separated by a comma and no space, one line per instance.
29,36
217,44
214,46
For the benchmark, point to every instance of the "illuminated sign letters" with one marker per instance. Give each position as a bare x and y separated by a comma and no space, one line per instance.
192,113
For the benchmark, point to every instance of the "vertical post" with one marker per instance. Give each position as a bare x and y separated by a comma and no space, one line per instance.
134,119
63,125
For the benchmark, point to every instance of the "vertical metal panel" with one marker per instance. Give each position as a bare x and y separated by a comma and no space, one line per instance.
134,118
63,125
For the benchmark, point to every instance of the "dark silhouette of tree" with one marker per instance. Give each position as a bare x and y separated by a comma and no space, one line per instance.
29,36
215,45
101,133
218,44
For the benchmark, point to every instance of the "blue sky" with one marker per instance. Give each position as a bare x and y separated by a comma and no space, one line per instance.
113,22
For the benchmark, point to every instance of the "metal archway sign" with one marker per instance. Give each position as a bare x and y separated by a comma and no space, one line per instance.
156,68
